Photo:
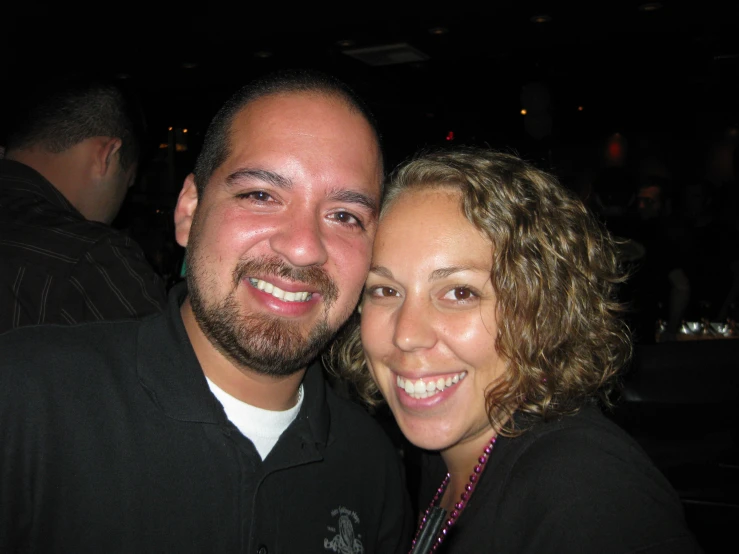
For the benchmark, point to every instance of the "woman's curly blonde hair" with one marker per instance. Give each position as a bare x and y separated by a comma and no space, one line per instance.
555,274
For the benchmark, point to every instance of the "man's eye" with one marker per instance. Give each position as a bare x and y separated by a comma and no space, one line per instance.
258,195
347,218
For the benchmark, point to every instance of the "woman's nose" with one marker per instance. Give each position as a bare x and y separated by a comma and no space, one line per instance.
414,328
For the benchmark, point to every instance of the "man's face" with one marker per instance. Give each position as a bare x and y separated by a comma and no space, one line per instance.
649,202
279,243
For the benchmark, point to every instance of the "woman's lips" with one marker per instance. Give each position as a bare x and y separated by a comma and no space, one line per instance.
428,387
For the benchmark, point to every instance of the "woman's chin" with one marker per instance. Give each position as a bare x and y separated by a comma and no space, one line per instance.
426,437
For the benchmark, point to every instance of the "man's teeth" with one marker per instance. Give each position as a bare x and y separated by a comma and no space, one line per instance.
279,293
431,387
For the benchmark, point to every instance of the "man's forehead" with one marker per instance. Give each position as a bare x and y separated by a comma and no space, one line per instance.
282,116
288,106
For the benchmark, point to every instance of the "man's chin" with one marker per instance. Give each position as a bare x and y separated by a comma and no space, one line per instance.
268,346
274,361
260,342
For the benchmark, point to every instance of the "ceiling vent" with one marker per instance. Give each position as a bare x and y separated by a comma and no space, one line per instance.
387,54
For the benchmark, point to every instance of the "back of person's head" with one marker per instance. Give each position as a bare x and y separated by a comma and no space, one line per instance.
215,148
63,113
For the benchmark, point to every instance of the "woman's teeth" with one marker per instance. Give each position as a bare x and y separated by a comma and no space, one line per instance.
425,389
279,293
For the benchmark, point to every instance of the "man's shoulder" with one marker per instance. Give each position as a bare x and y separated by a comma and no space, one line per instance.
353,425
51,347
62,364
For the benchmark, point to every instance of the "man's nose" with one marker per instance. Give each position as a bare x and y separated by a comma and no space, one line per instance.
301,240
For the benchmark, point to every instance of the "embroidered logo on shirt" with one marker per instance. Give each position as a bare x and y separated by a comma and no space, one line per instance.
344,540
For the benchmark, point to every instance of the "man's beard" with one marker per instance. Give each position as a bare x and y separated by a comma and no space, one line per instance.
266,344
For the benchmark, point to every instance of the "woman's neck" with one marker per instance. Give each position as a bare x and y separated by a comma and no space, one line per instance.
460,461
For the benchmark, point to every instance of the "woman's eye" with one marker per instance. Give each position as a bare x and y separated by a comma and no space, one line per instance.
460,294
383,292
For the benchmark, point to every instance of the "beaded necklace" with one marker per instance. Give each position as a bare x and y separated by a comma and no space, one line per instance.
434,512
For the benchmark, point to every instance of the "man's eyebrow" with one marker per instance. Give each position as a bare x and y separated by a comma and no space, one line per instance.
355,197
270,177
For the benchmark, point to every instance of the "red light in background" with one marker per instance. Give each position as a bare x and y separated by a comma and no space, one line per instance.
450,135
616,148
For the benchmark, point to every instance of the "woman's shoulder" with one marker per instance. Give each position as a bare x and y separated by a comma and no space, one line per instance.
585,447
588,481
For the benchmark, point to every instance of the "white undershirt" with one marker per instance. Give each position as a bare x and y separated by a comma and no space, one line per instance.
262,427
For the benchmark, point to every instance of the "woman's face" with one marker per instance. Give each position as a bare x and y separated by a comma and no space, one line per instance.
428,320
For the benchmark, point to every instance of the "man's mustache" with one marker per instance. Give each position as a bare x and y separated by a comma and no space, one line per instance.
314,276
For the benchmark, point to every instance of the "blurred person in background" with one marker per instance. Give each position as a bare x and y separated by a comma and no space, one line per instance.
658,291
71,156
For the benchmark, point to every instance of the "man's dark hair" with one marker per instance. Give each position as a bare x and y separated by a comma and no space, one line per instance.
60,115
216,145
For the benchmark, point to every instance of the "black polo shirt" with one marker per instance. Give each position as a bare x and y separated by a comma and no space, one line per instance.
112,442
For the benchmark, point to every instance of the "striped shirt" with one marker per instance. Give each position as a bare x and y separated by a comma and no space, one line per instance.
58,267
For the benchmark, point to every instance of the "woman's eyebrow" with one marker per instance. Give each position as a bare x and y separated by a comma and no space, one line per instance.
443,272
437,274
382,271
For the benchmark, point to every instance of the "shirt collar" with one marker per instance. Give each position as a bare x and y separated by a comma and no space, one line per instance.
170,372
31,183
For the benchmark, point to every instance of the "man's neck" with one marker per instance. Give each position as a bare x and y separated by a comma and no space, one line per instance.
256,389
65,170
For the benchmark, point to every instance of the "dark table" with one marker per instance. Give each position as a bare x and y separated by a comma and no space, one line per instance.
680,401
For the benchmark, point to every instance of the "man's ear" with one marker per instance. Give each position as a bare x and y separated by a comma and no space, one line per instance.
187,203
108,147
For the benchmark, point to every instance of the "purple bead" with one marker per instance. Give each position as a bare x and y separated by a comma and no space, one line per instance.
459,505
478,469
465,495
444,531
482,459
468,487
473,478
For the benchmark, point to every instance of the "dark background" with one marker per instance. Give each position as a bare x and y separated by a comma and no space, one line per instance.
665,78
656,83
